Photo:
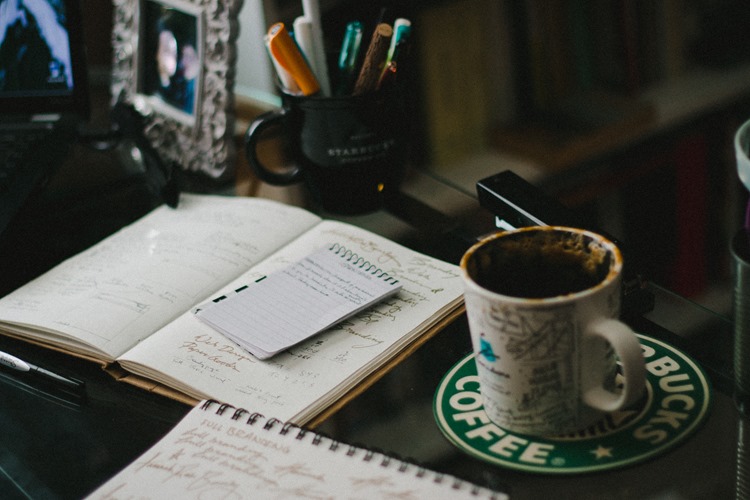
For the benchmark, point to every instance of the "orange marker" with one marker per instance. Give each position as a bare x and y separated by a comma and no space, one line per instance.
286,53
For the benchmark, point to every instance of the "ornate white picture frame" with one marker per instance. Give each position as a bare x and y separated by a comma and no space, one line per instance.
173,60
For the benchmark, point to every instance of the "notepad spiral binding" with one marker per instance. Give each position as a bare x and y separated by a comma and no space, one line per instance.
259,421
362,263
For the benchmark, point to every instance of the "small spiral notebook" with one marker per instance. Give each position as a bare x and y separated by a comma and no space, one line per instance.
295,303
219,451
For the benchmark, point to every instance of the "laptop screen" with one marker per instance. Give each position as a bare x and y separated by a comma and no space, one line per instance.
42,67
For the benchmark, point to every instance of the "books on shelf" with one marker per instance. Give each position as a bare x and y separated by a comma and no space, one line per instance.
467,78
220,451
127,303
576,130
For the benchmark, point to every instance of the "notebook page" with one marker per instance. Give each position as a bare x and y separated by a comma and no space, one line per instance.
299,301
132,283
232,453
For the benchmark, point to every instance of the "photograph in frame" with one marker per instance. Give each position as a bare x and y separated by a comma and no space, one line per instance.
171,64
173,61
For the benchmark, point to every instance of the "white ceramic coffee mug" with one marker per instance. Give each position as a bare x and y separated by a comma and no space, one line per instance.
542,304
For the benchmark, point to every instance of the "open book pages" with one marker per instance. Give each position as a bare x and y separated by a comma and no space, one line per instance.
128,302
103,301
298,383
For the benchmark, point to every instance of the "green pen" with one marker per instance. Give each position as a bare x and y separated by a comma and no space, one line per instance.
401,33
348,56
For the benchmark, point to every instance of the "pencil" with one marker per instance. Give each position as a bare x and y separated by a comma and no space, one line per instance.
374,61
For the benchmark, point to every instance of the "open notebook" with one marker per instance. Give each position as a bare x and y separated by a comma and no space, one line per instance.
221,451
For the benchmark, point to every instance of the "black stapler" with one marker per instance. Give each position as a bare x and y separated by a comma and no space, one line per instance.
518,203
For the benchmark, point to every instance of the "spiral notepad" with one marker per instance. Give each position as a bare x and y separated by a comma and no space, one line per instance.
219,451
291,305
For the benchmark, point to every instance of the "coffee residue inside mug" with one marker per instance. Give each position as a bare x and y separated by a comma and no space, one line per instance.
540,264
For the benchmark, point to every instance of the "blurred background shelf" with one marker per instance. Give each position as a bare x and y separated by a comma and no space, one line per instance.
622,109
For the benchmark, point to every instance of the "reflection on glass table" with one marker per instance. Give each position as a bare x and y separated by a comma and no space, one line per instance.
62,448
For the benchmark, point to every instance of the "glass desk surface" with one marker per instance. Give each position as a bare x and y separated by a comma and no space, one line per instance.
64,447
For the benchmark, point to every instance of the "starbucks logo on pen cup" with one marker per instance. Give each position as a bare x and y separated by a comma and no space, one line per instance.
365,152
676,403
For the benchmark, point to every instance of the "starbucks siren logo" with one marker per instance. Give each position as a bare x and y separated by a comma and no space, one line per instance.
675,404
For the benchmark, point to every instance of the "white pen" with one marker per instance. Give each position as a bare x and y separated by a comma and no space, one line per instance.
311,12
22,366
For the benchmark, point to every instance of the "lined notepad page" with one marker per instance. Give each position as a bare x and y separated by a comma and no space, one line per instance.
219,451
293,304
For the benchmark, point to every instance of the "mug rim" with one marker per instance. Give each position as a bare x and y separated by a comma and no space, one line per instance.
319,97
613,274
741,145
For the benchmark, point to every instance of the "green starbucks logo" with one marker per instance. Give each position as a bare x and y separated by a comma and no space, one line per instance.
676,402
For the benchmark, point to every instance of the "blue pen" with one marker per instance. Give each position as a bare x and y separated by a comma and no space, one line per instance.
348,56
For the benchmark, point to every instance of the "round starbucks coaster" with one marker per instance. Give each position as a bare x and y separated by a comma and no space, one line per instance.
676,402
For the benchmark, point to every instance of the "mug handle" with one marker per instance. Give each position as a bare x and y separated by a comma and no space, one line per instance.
253,135
625,343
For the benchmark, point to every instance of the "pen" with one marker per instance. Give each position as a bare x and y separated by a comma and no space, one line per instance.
391,69
396,50
385,16
388,76
302,34
401,32
285,52
311,10
349,55
22,366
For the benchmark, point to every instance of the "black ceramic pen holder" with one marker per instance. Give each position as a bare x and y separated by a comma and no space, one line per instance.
350,150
